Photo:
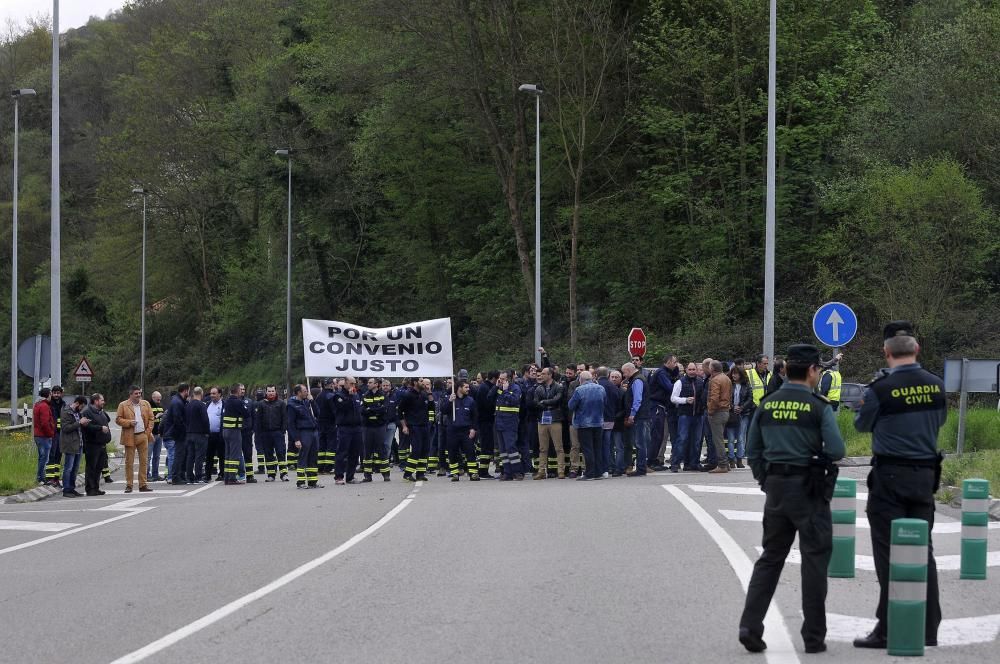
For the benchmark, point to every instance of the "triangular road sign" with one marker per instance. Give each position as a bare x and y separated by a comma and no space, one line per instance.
83,369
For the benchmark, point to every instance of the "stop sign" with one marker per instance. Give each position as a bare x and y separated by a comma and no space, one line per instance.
637,342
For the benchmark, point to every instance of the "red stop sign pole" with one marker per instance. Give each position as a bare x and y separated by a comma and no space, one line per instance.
637,342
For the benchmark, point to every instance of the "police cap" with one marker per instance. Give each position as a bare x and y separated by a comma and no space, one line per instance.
898,328
803,354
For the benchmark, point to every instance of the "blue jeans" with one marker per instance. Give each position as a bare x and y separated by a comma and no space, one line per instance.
615,444
688,448
638,435
604,456
44,445
168,445
734,437
71,464
153,462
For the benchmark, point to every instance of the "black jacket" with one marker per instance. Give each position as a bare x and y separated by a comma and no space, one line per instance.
196,419
549,399
92,433
271,415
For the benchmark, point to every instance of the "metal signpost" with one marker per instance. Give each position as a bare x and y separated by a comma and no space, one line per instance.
34,359
965,376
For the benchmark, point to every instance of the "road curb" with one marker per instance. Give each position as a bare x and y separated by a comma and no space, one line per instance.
43,492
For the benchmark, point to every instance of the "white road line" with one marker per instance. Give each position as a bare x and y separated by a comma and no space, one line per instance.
125,505
867,563
200,489
952,632
74,531
163,492
780,649
36,526
237,604
741,491
940,527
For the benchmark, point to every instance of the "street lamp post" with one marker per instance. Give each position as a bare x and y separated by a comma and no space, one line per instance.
769,212
55,275
287,152
16,94
537,91
142,296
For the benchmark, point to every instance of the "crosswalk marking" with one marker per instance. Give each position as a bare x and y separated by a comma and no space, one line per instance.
867,563
742,490
36,526
941,527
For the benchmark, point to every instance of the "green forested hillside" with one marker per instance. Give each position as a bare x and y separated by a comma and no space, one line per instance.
413,175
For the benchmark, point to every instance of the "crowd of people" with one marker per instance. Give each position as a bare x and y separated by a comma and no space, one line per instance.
580,422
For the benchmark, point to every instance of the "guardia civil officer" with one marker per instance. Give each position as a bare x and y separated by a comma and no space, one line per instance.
302,428
904,410
792,442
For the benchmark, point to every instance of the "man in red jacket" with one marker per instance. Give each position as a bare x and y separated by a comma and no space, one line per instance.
44,429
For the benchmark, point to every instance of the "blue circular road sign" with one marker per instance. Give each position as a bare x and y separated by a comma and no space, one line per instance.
835,324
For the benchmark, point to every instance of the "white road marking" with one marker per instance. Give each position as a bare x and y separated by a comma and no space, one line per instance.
124,505
74,531
36,526
742,491
237,604
867,563
780,649
940,527
200,489
952,632
165,492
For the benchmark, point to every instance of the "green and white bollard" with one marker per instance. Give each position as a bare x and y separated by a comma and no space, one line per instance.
975,528
907,587
844,511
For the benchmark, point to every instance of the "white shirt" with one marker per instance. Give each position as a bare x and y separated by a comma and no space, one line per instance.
215,416
736,393
675,395
140,426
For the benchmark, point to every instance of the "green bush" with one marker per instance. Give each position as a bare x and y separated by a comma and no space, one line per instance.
18,461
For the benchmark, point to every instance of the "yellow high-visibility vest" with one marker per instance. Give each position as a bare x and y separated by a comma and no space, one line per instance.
835,383
756,385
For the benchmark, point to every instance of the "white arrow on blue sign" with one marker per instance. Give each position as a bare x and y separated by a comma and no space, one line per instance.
835,324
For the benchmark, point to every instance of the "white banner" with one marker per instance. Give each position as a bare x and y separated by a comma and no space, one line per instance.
419,349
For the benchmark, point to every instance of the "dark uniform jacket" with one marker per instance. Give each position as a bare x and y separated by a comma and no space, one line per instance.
300,418
465,413
373,408
904,411
271,415
412,408
347,406
792,426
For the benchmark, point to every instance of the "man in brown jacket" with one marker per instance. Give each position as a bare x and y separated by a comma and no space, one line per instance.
135,417
720,399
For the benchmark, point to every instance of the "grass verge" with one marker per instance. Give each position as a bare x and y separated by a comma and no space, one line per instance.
18,461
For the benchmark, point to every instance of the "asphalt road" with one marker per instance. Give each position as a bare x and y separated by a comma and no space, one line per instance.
622,570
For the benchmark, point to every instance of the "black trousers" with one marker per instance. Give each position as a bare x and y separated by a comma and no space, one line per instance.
349,448
326,453
898,492
197,443
271,444
486,446
95,458
789,509
247,446
459,446
216,452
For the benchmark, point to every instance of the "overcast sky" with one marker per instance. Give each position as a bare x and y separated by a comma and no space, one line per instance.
72,13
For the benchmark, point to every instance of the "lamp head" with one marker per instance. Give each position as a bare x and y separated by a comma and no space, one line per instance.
22,92
531,88
139,190
283,152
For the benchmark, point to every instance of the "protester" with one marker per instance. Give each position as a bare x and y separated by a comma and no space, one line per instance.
739,418
71,444
196,425
153,466
44,429
720,396
637,412
216,451
175,429
587,406
96,436
53,470
549,399
687,397
135,417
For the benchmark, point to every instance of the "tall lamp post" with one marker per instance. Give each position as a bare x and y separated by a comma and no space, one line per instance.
142,297
55,262
769,211
537,91
287,152
16,94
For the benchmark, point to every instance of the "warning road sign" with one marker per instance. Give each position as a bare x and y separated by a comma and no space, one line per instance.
83,373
